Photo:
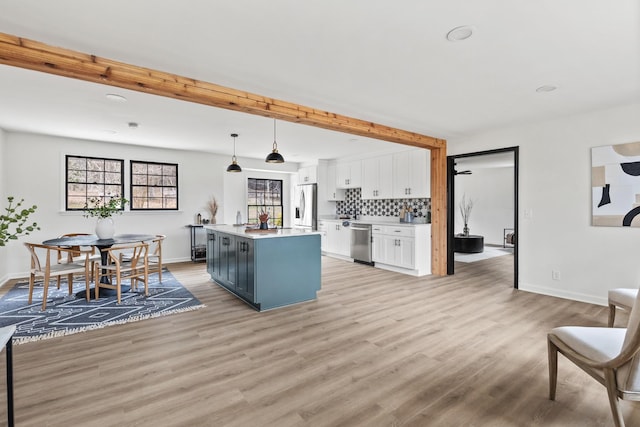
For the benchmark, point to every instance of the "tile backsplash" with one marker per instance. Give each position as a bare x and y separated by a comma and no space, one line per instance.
382,207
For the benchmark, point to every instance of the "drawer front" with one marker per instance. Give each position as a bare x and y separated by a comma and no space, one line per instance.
399,231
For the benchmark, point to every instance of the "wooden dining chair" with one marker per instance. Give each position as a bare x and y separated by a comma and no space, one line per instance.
44,264
610,355
135,268
622,298
154,258
78,254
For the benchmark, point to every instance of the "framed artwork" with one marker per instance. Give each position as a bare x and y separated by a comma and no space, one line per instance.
615,185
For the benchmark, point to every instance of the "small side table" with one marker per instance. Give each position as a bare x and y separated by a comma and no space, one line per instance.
198,250
468,244
6,336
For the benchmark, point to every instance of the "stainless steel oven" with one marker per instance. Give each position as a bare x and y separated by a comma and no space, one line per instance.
361,243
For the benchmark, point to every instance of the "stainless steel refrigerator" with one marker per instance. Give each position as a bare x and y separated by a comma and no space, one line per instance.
306,215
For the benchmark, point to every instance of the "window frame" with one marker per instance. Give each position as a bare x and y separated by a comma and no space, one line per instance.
255,220
103,193
132,184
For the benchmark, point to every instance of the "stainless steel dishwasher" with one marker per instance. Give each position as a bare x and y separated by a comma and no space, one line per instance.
361,243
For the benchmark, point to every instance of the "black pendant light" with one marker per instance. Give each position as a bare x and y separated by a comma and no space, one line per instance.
274,156
234,166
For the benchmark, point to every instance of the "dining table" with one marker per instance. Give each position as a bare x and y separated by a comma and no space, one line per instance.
100,244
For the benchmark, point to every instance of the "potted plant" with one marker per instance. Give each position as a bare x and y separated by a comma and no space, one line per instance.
17,218
104,208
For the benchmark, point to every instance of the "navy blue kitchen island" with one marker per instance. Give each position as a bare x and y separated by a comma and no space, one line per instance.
266,269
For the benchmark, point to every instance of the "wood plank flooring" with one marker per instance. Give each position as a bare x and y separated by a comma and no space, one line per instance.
376,349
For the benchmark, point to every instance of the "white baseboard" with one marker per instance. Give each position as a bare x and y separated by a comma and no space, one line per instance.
554,292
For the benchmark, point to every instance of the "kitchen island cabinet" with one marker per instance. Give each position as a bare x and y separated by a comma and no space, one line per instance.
265,269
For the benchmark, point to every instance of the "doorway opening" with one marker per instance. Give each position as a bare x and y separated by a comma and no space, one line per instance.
499,197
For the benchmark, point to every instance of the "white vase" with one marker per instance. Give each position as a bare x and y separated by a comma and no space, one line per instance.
105,228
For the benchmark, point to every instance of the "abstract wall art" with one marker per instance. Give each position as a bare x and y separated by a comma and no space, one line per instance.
615,185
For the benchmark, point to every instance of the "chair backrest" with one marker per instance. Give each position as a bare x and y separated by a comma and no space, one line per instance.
35,260
628,375
157,251
136,254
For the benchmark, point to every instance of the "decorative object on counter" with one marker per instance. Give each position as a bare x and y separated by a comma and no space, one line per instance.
264,219
212,207
465,210
104,210
238,218
234,166
17,218
274,156
199,219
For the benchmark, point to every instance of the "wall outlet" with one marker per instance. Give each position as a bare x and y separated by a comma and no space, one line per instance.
555,275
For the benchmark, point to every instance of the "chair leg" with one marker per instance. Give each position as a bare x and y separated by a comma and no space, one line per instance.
32,280
553,368
45,290
87,283
70,282
612,391
612,315
159,272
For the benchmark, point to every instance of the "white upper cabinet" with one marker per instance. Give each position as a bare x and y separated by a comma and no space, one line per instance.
412,174
332,192
348,175
308,175
377,178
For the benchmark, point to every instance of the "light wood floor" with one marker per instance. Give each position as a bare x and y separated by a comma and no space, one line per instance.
376,349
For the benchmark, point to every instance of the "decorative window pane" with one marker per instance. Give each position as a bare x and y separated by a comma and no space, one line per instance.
92,177
154,186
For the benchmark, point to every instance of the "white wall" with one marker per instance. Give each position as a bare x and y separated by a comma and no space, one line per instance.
555,188
491,190
33,168
3,199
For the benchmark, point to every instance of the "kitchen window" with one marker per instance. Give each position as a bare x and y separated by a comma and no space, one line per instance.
264,195
154,186
92,177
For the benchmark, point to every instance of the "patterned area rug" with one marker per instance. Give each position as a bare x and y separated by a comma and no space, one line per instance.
67,314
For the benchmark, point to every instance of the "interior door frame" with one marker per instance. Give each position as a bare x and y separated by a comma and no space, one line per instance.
451,200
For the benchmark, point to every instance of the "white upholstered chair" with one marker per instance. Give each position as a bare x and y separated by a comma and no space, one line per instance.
610,355
44,264
620,298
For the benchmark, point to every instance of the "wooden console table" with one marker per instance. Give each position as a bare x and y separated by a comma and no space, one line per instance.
468,244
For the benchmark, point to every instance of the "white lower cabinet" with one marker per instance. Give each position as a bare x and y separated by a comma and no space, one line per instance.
404,249
338,238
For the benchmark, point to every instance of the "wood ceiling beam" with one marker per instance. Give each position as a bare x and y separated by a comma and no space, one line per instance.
33,55
37,56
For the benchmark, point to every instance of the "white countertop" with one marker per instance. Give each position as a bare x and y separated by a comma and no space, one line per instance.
240,230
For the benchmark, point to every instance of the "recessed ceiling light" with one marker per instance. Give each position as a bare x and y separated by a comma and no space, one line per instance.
460,33
546,88
116,98
133,125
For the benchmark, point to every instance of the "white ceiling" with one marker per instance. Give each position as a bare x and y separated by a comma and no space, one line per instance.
378,60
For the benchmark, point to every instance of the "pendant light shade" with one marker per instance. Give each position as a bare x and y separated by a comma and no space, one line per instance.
274,156
234,166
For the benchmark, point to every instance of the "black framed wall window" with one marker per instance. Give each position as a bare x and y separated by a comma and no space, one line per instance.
154,186
264,195
92,178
